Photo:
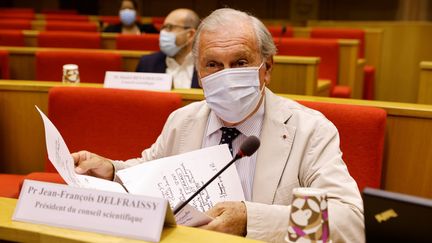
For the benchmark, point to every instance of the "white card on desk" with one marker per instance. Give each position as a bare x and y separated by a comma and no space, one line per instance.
137,80
132,216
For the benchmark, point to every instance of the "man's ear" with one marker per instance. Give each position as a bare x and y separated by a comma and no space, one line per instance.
268,67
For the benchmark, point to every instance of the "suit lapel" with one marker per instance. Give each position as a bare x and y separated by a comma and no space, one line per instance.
193,130
276,142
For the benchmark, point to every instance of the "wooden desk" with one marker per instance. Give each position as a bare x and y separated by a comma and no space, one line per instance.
26,232
425,84
407,154
293,75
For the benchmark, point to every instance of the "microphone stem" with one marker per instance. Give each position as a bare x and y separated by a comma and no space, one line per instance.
177,209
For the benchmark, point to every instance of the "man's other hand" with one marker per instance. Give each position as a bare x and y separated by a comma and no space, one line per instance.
229,217
92,164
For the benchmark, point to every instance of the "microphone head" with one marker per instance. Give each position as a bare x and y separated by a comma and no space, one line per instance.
249,146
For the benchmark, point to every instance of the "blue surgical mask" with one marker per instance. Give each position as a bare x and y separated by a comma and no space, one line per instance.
167,43
127,16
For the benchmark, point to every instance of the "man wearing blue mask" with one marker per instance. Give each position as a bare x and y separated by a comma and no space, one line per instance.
299,146
128,13
175,57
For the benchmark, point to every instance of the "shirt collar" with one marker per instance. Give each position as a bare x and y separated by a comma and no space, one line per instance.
172,63
246,127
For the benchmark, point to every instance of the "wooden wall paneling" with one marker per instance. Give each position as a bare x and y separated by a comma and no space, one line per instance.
425,84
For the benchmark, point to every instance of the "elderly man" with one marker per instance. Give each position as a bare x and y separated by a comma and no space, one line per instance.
175,42
299,146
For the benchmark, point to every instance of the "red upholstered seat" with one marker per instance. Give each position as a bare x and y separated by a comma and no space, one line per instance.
69,39
71,25
59,11
10,185
110,19
92,65
356,34
341,33
362,132
281,31
11,38
15,24
117,124
327,50
66,17
147,42
4,64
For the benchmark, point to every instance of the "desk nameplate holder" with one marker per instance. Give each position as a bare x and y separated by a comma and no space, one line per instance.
137,80
120,214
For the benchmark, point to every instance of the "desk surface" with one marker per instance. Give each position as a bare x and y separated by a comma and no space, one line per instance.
26,232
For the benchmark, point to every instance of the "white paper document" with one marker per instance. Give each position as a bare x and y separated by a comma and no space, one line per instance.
173,178
177,177
60,157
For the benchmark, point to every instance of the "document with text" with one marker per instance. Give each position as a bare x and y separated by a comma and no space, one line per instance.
177,177
174,178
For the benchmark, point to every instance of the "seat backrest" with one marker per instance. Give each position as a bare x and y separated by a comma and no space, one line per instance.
109,19
327,50
146,42
71,25
69,39
4,64
67,17
281,31
15,24
362,131
11,38
341,33
92,65
114,123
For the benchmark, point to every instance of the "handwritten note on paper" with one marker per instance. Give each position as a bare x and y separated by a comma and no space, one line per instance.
177,177
60,157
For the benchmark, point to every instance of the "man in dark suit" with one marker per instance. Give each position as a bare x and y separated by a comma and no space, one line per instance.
175,57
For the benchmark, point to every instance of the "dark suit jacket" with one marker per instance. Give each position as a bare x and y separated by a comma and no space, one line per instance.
155,63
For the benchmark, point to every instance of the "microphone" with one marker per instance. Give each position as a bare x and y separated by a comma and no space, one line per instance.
248,147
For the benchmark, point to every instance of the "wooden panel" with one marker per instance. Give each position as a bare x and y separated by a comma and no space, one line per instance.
295,75
425,85
407,153
404,46
348,54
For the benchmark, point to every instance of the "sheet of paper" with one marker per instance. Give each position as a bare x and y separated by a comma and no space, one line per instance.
177,177
190,216
60,157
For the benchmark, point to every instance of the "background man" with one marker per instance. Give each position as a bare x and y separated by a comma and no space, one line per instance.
299,146
175,42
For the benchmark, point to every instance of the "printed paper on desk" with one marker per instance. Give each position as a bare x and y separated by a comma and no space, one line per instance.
177,177
60,157
141,81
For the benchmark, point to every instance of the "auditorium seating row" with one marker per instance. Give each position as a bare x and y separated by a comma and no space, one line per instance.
343,78
338,57
106,122
29,63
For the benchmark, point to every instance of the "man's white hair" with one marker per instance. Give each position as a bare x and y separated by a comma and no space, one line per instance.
227,17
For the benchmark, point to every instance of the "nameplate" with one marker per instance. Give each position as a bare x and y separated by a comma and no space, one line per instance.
141,81
120,214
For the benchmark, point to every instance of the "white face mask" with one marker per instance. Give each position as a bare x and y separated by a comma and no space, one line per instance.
233,93
167,43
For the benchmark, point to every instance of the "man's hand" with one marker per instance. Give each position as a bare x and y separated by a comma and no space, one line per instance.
229,217
92,164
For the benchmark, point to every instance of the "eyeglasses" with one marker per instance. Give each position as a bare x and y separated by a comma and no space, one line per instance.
170,27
